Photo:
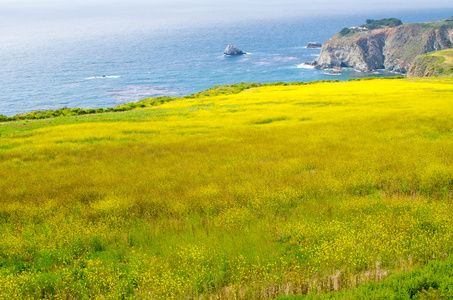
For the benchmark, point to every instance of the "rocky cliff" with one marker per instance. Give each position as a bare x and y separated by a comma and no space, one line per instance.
392,49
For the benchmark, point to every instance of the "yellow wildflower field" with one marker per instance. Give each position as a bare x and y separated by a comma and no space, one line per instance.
276,190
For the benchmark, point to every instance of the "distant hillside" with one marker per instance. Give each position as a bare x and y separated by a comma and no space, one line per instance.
389,48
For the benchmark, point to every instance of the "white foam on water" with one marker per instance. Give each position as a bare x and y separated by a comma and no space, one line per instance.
103,76
137,92
305,66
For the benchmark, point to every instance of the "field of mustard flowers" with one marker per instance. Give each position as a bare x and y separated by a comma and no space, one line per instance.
277,190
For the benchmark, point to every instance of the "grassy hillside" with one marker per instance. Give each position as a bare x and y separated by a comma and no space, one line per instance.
442,24
439,63
276,190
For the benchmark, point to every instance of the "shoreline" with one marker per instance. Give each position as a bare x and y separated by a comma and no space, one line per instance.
149,102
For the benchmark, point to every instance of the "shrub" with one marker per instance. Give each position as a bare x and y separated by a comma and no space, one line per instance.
390,22
345,31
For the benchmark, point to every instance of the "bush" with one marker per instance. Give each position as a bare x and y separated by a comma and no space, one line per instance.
345,31
390,22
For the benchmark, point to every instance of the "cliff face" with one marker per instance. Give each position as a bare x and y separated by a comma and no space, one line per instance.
424,66
393,49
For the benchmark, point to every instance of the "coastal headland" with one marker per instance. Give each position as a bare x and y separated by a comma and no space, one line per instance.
392,46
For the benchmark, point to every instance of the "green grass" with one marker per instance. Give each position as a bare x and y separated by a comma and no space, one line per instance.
435,281
447,23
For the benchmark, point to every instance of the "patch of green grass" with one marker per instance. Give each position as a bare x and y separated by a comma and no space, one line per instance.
435,281
271,120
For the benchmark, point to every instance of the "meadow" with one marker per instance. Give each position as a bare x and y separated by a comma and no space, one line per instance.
273,191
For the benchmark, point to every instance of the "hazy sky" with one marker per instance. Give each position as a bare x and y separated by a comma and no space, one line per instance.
222,9
34,17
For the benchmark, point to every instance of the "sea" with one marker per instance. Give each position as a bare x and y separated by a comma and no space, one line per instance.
95,68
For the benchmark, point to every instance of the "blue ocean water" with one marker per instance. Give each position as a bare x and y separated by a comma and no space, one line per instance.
104,70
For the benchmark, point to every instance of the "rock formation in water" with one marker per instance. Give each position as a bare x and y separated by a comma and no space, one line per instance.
391,48
232,50
313,45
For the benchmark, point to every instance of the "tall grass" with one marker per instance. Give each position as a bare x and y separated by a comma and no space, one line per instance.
272,191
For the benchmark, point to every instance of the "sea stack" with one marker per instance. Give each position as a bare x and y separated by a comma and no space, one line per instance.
314,45
232,50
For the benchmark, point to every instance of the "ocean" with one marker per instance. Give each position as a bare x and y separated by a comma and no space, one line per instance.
104,69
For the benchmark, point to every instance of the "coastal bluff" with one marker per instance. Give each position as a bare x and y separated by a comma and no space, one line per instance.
390,48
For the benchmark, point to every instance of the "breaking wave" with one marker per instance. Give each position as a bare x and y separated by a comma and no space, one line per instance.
103,76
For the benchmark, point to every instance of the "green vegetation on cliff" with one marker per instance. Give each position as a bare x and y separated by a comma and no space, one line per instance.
439,63
345,31
390,22
371,24
442,24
